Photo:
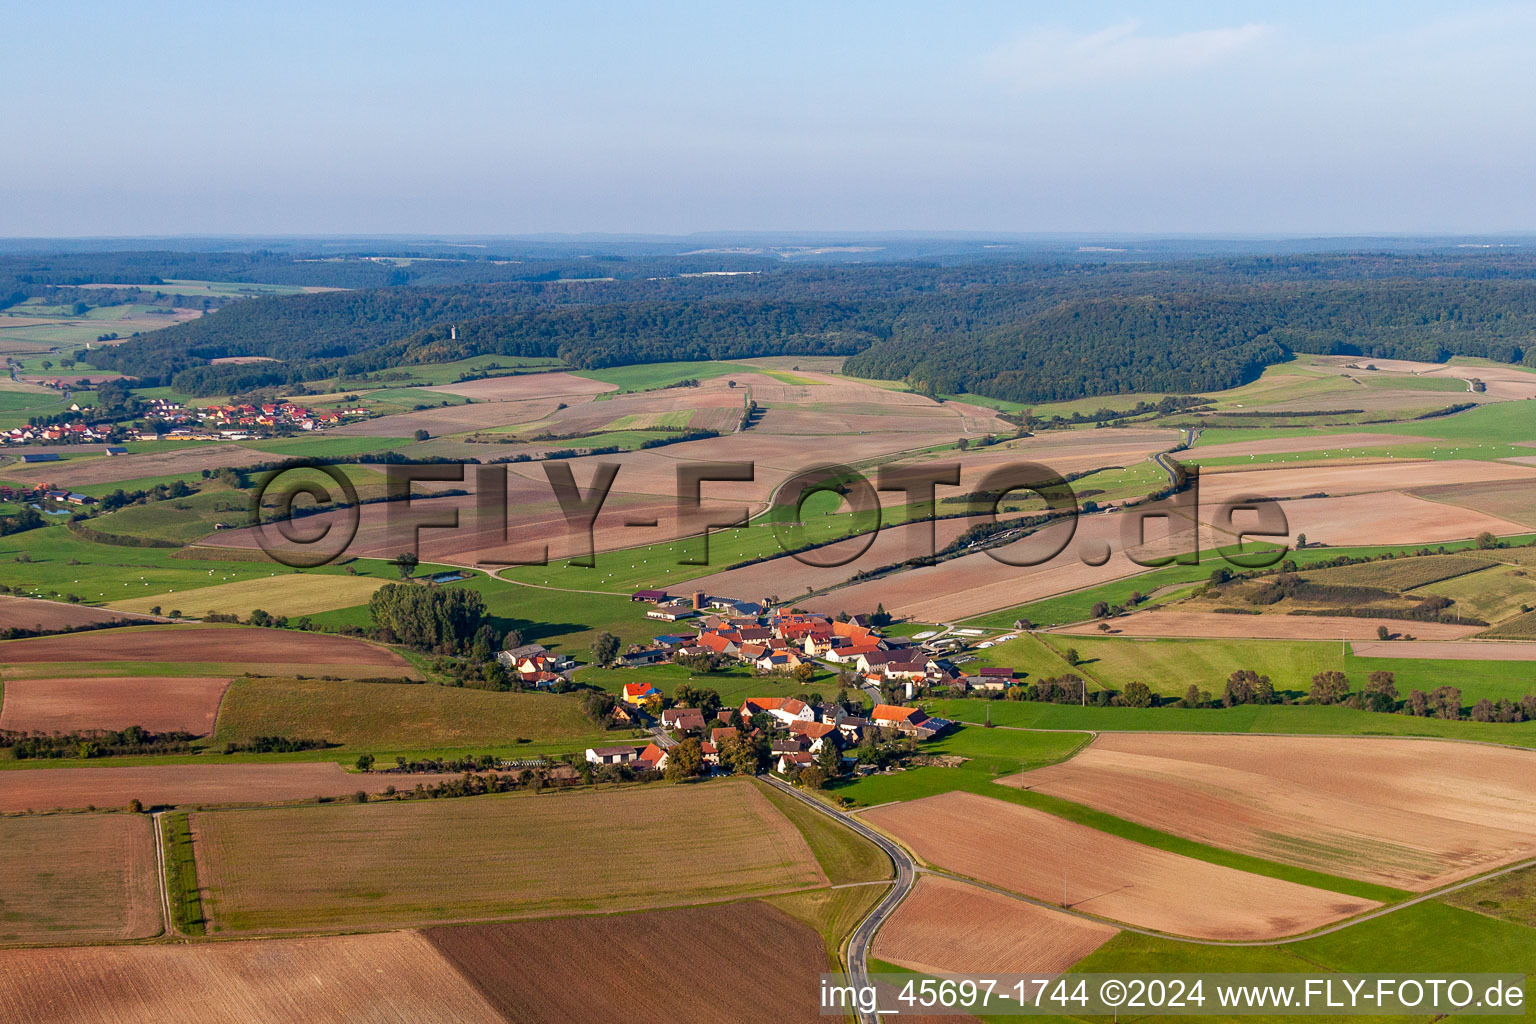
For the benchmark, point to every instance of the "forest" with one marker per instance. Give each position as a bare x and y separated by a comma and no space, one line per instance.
1026,330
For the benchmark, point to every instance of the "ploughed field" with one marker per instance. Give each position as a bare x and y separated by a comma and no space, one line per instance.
76,878
738,963
1413,814
504,856
1051,859
950,927
212,644
157,703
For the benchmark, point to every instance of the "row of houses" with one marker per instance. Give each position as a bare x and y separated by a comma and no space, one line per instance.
798,731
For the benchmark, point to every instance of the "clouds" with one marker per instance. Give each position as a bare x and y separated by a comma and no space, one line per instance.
1044,59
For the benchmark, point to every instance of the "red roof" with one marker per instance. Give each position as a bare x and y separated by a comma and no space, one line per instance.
896,713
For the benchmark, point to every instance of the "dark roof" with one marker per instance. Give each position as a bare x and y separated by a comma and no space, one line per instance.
41,457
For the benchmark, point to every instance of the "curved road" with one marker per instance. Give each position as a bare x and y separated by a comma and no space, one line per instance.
906,875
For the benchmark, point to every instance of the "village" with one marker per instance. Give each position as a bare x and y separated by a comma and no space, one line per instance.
166,420
805,738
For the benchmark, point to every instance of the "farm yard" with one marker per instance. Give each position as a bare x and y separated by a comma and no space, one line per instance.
77,878
1412,814
507,856
1080,868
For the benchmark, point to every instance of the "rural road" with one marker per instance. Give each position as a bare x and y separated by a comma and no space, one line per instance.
906,875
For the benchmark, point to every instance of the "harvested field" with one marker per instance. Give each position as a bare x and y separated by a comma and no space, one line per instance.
393,978
1386,517
110,469
742,963
1414,814
453,419
1032,852
1402,573
1353,479
159,704
519,855
1168,622
76,878
34,613
524,387
289,594
395,717
1505,383
1514,501
188,785
1450,650
207,644
948,927
973,584
1315,441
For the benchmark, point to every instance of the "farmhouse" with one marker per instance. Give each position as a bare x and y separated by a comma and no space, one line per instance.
652,757
686,719
639,693
611,755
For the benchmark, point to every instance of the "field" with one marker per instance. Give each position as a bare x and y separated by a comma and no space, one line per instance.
77,878
381,717
75,472
736,964
1510,897
185,785
1449,650
291,594
157,703
265,647
949,927
1516,502
1412,814
29,613
505,856
391,978
1080,868
1170,622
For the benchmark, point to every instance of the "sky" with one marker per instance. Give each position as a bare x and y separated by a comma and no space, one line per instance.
670,118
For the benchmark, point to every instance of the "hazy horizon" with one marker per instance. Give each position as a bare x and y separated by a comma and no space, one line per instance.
1193,120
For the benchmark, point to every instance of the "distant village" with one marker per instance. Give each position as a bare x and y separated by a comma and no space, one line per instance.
172,421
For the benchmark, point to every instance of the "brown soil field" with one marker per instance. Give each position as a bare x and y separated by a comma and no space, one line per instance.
61,787
77,878
110,469
206,644
534,520
453,419
1319,441
159,704
1504,383
523,387
1169,622
35,613
973,584
1049,858
1513,501
1414,814
741,963
949,927
1386,517
393,978
1354,479
1450,650
382,864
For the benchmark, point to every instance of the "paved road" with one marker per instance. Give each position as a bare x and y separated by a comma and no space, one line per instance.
663,740
906,875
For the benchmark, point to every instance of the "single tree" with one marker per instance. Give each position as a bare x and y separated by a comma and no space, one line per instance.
365,762
1329,687
406,562
605,648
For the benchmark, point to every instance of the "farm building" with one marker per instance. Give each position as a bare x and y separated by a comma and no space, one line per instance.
611,755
